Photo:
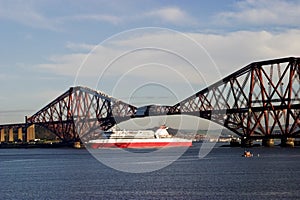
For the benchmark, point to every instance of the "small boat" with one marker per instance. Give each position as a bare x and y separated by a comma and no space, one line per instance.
139,139
247,154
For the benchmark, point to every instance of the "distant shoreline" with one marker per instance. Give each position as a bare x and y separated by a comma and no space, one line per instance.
36,145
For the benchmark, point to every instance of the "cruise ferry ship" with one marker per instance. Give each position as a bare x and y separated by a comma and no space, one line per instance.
139,139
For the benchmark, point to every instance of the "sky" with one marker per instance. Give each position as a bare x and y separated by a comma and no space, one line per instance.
139,51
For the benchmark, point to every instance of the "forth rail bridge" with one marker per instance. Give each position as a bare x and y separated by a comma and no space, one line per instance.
259,101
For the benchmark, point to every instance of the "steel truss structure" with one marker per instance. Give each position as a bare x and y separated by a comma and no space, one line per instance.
79,112
259,100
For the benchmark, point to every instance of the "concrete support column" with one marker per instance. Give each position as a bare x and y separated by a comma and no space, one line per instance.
287,142
268,142
11,135
33,132
20,134
2,135
30,133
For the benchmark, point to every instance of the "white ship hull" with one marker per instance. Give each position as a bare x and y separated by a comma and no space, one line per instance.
139,139
140,143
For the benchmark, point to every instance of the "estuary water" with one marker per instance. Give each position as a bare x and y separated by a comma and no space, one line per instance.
272,173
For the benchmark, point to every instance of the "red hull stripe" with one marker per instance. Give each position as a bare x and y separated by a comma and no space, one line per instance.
140,145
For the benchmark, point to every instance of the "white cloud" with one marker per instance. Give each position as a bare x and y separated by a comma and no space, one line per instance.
30,13
237,49
25,13
3,77
124,53
95,17
79,47
136,60
233,49
173,15
6,77
63,64
262,13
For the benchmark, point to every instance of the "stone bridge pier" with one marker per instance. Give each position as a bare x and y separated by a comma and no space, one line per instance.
17,133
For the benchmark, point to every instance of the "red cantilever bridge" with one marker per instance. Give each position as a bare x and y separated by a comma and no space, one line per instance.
261,100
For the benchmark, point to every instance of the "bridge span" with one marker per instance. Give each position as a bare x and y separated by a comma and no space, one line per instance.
259,101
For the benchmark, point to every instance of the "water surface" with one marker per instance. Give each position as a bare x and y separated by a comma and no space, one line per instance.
222,174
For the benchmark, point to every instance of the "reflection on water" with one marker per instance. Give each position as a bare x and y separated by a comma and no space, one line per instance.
222,174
